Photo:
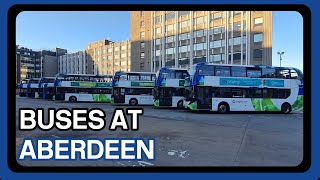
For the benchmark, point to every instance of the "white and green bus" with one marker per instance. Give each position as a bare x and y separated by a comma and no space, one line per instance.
226,88
169,87
83,88
133,88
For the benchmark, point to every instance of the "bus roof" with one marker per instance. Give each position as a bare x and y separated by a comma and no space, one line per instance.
84,75
181,69
260,66
124,72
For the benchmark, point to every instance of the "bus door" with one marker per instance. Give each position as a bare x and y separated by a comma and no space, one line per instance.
204,96
165,96
119,95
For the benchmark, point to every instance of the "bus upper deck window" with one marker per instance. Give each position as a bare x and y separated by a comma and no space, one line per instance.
294,74
284,74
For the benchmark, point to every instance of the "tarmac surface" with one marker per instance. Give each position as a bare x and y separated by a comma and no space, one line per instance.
185,138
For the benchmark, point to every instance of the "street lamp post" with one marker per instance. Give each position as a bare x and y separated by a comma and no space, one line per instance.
280,53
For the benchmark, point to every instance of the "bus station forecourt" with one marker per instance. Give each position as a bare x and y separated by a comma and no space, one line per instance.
188,130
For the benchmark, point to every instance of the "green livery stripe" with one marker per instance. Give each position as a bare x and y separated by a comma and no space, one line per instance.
100,98
263,105
142,84
90,84
298,104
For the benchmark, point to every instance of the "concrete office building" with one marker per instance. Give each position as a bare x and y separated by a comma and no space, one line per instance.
182,38
73,63
36,64
107,57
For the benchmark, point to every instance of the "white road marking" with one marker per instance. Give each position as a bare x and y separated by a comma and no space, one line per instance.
179,153
143,163
55,136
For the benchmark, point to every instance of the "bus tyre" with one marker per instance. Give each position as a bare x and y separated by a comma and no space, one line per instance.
133,102
286,108
223,108
72,99
180,104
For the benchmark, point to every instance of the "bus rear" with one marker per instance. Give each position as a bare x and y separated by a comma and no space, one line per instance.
169,87
23,87
33,87
46,90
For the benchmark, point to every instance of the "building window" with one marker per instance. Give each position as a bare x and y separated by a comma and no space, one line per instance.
216,16
141,13
257,53
236,12
200,46
181,13
170,15
257,37
237,26
184,36
216,57
258,21
199,33
142,55
183,24
142,45
141,35
157,19
170,27
123,55
158,41
170,51
217,44
123,47
170,39
157,52
116,56
116,49
142,24
183,49
158,30
217,30
200,20
110,50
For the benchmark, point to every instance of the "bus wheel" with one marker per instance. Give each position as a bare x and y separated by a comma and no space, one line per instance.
133,102
223,108
72,99
286,108
180,104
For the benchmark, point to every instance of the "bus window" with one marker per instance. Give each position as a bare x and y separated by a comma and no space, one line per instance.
238,71
254,73
222,71
254,93
167,74
206,70
146,77
268,73
133,77
283,74
238,93
123,77
268,93
294,74
192,70
153,77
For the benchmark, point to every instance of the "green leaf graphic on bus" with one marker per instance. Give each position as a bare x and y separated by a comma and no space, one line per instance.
268,105
256,104
156,103
298,104
193,106
100,98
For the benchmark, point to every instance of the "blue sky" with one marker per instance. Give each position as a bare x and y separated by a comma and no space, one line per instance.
73,30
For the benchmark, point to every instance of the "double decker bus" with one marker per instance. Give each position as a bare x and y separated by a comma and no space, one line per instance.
83,87
33,87
226,88
46,86
169,87
23,87
133,88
